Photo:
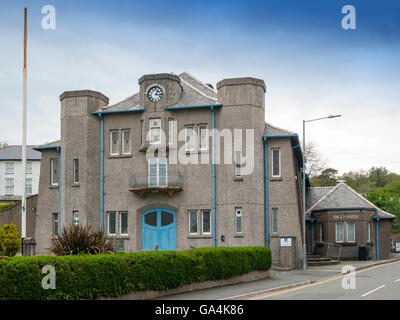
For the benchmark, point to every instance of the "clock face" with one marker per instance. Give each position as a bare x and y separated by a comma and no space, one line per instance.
155,94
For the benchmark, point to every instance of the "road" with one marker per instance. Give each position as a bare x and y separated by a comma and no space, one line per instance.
377,283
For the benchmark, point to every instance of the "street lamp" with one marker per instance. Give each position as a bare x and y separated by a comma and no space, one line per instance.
304,185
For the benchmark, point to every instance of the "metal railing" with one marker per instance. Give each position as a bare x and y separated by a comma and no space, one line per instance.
329,245
172,179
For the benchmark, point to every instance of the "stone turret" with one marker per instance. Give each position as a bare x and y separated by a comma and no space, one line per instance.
80,139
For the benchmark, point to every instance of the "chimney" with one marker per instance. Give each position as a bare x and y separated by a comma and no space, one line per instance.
340,181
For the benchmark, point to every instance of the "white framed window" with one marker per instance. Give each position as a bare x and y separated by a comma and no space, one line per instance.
321,232
28,187
171,132
29,167
193,222
9,167
276,162
206,222
238,165
75,169
238,219
126,141
369,231
155,131
158,172
189,137
9,187
275,220
75,217
203,137
54,174
123,223
111,223
54,223
114,143
339,228
351,232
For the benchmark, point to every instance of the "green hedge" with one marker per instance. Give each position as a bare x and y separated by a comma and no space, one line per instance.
94,276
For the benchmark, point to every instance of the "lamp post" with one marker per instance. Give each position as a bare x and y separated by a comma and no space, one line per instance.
304,185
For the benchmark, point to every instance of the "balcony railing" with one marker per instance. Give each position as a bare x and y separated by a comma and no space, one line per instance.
143,184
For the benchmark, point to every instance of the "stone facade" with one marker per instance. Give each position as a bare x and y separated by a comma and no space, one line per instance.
87,123
342,205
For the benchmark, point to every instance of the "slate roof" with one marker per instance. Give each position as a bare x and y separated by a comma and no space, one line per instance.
272,131
15,153
341,197
194,93
48,145
314,194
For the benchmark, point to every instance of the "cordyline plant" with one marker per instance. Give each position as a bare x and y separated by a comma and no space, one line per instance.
81,240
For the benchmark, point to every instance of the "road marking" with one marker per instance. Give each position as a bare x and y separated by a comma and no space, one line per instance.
369,292
266,290
322,282
397,280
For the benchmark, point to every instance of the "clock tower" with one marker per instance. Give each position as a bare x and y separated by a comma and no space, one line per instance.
158,91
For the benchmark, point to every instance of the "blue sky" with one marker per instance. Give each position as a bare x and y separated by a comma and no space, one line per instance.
311,66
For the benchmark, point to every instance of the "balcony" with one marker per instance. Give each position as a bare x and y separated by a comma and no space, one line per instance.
143,184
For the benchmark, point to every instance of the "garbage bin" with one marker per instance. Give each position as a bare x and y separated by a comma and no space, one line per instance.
362,253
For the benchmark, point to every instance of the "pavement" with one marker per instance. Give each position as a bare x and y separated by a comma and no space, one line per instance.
299,284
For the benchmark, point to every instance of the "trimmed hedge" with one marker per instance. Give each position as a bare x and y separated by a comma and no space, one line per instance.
112,275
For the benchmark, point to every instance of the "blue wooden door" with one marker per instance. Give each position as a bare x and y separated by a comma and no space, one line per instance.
159,228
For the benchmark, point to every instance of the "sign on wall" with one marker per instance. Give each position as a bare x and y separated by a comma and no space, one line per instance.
286,242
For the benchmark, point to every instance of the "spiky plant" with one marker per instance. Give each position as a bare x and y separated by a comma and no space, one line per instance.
81,240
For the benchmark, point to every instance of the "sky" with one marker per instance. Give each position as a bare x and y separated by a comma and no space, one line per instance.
312,67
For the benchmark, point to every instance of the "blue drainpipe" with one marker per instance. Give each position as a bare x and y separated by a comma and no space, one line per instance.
266,191
59,190
377,238
213,174
102,173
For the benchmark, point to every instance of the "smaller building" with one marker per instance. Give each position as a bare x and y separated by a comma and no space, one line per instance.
340,220
11,172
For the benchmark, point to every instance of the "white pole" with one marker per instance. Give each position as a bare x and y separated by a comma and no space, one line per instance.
23,200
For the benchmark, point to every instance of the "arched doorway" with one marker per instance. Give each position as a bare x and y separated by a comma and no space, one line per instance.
159,228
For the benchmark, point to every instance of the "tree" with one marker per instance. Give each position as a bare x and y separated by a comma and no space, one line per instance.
378,175
325,179
358,180
315,163
10,241
387,202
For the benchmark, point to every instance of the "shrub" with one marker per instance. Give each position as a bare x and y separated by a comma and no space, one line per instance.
6,205
81,240
112,275
10,242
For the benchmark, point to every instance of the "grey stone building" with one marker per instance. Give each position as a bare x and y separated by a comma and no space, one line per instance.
340,220
176,165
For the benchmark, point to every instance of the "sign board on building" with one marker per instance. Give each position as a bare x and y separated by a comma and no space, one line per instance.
346,216
286,242
397,246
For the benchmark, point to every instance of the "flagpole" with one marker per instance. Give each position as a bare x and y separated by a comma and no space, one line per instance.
23,200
